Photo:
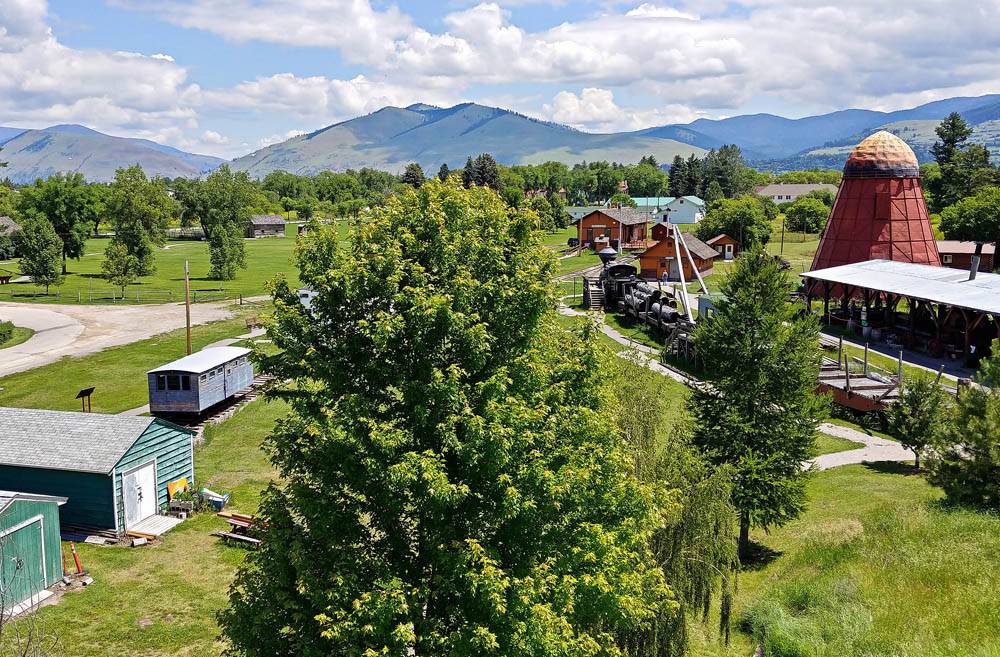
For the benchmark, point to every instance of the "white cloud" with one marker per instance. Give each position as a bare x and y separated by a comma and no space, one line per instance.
595,110
213,137
278,138
648,10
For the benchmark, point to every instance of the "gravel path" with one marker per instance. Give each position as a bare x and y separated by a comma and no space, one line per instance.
874,448
77,330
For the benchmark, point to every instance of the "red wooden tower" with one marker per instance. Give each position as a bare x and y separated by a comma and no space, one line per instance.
880,211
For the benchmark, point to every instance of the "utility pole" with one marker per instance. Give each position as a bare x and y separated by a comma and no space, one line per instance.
782,252
187,303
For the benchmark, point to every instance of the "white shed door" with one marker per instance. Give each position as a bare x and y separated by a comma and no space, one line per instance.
139,492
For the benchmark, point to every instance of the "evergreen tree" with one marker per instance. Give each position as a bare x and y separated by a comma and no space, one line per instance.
965,461
139,209
952,134
919,416
964,168
469,173
444,172
713,192
692,185
413,175
41,251
486,172
759,412
678,177
451,482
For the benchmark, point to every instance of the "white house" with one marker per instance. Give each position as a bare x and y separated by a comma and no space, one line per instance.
788,192
682,210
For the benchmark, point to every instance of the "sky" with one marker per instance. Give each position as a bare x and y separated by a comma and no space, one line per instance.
226,77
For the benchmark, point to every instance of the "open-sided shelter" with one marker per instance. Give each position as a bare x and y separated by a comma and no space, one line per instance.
112,469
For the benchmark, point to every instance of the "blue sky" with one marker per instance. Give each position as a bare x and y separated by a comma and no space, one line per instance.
228,76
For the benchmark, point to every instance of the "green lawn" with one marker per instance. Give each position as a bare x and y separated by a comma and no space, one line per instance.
576,263
875,566
83,283
831,444
118,373
19,336
557,240
161,600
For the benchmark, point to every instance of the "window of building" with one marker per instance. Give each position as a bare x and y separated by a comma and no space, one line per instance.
946,258
161,382
173,382
186,382
203,377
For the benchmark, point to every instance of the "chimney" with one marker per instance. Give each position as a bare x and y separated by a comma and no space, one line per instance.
974,266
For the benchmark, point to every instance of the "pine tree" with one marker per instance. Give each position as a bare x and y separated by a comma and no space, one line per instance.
713,192
413,175
469,173
692,186
918,417
952,133
444,172
759,412
678,177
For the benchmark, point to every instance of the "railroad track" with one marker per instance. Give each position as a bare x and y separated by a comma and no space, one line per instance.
227,409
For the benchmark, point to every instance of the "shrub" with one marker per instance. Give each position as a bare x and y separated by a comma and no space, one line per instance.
6,331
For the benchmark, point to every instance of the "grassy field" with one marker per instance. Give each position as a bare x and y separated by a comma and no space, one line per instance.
831,444
265,257
19,336
119,373
875,566
161,600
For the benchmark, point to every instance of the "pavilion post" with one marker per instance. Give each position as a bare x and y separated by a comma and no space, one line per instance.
899,372
866,359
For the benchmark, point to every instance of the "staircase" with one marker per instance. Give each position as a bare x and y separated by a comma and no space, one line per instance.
593,294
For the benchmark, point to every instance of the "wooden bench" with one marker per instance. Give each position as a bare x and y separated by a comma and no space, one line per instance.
242,538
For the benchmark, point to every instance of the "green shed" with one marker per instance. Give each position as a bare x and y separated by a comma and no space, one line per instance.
30,551
113,469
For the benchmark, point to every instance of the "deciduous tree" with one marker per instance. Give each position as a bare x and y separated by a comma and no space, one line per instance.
41,251
919,416
451,481
806,214
120,268
759,412
743,219
976,218
139,209
63,199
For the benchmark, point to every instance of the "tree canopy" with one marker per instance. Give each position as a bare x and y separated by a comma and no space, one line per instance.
139,209
452,482
976,218
743,219
63,200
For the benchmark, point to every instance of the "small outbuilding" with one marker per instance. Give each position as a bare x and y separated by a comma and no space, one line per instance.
620,228
112,469
682,210
30,548
266,225
958,255
195,383
662,261
725,246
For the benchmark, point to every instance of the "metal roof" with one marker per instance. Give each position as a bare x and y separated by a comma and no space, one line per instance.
699,248
204,360
936,284
8,497
651,201
956,247
59,440
793,189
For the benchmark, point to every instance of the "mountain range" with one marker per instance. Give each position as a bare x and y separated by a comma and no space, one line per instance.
392,137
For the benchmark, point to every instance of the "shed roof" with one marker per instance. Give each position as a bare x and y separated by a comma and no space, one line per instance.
264,219
956,247
7,497
699,248
626,216
721,237
8,226
60,440
936,284
204,360
652,201
694,200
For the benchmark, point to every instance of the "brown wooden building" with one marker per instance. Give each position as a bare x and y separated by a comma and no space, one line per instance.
725,246
266,225
959,254
624,228
662,258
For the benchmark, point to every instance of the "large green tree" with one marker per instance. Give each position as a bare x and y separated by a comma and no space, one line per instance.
139,209
965,460
41,251
64,200
976,218
964,168
743,219
807,214
759,410
223,204
451,481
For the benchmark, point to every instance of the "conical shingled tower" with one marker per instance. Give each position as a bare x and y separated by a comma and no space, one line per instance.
880,211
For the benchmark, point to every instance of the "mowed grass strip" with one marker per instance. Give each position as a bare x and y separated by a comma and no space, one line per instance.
118,373
162,599
20,335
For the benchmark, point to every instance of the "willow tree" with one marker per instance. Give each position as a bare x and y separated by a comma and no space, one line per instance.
759,412
451,480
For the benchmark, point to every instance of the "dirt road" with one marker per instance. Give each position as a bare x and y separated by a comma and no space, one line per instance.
76,330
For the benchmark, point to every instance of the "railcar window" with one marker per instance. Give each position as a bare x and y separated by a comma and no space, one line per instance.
185,382
161,382
173,382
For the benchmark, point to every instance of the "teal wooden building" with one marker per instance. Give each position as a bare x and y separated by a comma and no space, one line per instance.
112,469
30,549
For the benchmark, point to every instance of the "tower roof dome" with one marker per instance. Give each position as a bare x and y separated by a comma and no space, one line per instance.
882,155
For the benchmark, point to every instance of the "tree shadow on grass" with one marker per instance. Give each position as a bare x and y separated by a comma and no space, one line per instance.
759,556
892,467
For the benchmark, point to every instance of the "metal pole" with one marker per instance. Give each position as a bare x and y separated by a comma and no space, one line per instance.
782,252
680,272
187,303
866,359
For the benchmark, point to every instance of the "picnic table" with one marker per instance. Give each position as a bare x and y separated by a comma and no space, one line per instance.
240,528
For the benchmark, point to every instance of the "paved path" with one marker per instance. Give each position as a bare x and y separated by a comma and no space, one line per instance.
76,330
874,448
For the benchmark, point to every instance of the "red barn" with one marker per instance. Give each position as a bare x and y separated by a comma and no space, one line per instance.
661,258
879,213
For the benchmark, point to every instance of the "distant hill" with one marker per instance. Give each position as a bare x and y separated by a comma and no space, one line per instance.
35,154
393,137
